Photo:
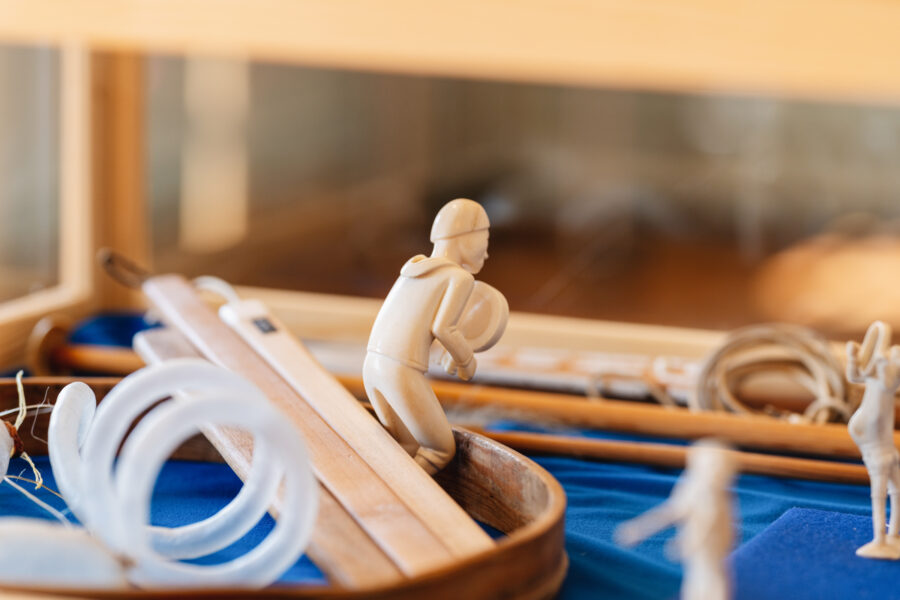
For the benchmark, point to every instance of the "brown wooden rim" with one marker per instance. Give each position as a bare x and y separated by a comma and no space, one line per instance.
546,528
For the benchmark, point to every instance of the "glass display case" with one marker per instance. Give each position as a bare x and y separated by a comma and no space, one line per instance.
646,192
656,208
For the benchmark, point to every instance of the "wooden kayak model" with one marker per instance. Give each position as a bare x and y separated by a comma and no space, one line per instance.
495,485
385,529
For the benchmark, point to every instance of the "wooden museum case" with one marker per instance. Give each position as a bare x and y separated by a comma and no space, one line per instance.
690,47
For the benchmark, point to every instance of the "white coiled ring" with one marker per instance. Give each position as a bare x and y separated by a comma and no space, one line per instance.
112,497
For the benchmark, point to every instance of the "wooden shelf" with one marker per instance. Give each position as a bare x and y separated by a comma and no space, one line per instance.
836,49
349,319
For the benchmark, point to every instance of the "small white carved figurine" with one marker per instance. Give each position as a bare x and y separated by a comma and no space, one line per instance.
701,506
872,428
435,298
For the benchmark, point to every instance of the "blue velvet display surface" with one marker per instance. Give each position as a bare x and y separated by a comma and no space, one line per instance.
600,495
811,555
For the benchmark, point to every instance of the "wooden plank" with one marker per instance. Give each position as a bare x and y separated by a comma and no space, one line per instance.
41,389
506,490
666,455
377,508
347,318
338,545
670,455
73,295
120,208
545,408
77,237
353,423
761,46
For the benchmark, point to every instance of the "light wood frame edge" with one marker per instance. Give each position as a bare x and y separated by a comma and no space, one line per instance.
74,292
839,49
347,318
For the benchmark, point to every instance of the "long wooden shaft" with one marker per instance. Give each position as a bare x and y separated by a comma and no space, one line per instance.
631,417
743,430
121,361
327,396
668,455
363,433
382,510
97,359
665,455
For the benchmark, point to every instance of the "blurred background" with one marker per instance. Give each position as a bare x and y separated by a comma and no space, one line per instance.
688,210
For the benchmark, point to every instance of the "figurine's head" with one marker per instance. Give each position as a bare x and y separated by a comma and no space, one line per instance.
460,231
712,461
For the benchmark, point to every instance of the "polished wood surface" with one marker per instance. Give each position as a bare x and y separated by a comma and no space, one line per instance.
363,433
748,431
339,545
691,45
73,294
119,162
406,531
493,483
670,455
346,318
666,455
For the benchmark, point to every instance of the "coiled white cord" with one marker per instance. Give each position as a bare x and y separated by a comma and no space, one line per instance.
796,351
112,497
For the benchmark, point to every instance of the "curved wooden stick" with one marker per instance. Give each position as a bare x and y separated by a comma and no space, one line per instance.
664,455
748,431
669,455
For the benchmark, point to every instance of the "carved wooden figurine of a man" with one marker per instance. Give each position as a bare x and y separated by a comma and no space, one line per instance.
872,428
701,506
426,303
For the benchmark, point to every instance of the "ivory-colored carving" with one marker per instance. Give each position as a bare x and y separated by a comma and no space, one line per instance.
877,365
117,546
435,298
701,507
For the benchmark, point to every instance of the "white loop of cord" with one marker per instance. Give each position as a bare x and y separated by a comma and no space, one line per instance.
798,352
112,497
218,286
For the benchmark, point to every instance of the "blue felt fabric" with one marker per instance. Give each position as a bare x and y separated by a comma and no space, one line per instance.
811,555
600,495
109,330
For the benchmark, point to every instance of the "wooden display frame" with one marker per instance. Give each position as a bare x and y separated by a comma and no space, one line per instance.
691,46
347,318
845,49
74,292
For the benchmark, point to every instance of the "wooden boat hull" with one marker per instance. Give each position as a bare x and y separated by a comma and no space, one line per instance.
494,484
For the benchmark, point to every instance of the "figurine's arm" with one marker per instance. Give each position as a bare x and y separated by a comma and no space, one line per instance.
643,526
853,374
888,373
892,369
444,328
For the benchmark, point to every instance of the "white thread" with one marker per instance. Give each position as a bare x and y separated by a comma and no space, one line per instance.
39,409
21,417
58,515
23,409
38,478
